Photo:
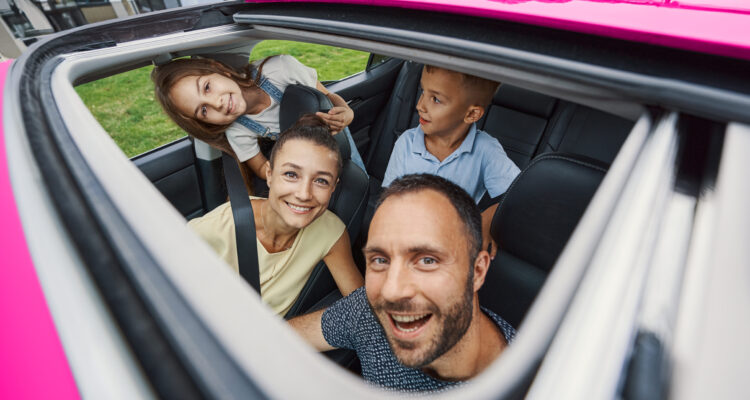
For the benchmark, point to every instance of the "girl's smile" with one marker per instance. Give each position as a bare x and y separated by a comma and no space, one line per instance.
212,98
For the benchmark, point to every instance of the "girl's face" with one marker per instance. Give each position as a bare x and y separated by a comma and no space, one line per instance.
213,98
300,185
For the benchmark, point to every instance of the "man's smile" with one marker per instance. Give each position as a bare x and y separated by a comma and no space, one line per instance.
408,326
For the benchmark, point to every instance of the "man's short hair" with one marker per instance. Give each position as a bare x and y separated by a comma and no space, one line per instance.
463,203
479,90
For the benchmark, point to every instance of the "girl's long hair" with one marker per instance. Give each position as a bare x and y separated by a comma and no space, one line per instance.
164,78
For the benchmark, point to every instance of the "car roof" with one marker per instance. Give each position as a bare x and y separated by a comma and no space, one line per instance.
721,28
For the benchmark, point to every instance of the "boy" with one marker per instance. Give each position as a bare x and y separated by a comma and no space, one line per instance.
448,144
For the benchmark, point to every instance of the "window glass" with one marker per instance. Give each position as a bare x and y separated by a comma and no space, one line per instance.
124,105
376,59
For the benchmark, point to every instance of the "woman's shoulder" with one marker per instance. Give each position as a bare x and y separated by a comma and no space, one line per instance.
212,223
328,224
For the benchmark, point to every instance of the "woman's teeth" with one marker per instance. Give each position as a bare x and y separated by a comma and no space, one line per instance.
297,208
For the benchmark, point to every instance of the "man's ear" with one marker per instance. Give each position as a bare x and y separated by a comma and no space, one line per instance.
481,266
473,114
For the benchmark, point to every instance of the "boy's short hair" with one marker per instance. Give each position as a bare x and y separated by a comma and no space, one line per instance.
480,91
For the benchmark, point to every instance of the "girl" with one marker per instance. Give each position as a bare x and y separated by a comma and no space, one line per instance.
293,227
230,109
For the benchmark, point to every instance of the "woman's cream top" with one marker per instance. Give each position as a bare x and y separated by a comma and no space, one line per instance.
282,274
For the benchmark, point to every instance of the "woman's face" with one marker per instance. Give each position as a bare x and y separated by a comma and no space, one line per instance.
301,182
212,98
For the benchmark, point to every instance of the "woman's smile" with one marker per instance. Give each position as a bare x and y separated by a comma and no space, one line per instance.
298,209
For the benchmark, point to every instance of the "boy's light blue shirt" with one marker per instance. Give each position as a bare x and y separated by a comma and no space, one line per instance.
478,165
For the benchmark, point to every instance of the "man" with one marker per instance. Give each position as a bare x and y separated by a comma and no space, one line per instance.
417,324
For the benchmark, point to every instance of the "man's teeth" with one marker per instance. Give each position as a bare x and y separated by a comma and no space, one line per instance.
297,208
407,330
407,318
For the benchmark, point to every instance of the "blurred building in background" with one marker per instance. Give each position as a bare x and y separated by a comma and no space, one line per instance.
25,21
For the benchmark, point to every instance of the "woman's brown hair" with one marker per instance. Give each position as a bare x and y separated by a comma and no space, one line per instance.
313,129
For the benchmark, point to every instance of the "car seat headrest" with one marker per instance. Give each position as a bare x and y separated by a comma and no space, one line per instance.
299,100
524,101
543,205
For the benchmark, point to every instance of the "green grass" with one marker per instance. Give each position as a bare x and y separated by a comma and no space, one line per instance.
332,63
124,104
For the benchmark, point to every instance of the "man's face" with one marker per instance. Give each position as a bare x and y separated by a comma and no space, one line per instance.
419,277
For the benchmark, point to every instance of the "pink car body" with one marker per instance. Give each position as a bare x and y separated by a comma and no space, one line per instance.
32,361
724,28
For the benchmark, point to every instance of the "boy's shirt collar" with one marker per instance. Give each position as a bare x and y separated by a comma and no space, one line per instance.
466,146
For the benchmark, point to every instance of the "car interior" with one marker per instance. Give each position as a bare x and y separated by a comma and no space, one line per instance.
563,141
563,149
533,223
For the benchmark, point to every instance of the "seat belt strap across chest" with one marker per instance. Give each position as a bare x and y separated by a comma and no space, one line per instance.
244,223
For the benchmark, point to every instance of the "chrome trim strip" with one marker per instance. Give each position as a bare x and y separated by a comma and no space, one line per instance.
710,352
588,353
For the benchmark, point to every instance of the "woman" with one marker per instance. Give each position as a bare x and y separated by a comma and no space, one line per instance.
294,228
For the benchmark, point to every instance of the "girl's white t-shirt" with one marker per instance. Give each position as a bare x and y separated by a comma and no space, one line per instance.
282,71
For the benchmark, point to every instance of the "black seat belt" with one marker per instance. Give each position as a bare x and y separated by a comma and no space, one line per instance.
244,222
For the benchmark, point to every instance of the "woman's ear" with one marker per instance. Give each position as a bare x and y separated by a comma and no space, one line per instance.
267,167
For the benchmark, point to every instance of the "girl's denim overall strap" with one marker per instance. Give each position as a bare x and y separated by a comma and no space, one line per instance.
270,89
255,126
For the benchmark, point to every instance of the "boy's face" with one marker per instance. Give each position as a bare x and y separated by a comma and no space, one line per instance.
444,108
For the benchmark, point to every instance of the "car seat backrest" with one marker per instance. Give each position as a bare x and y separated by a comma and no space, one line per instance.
518,119
397,116
348,201
531,226
583,130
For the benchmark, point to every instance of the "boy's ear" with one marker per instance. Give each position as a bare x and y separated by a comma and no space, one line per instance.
473,114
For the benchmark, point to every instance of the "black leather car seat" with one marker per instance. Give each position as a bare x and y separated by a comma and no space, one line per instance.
582,130
348,201
531,226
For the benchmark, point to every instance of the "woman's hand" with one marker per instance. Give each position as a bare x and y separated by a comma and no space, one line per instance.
337,118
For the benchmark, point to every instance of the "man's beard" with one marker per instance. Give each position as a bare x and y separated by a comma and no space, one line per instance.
455,322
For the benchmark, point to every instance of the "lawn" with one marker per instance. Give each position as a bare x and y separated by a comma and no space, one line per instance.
124,104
